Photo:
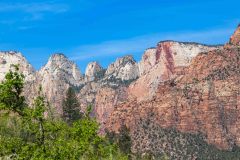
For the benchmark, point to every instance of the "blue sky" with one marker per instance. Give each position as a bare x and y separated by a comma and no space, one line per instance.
102,30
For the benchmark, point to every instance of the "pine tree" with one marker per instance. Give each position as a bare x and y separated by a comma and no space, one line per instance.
71,107
11,89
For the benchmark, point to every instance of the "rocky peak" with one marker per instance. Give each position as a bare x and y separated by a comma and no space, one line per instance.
235,38
93,71
7,58
162,63
124,68
59,64
55,78
148,61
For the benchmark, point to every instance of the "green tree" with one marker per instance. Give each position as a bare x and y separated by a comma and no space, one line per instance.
11,89
26,133
122,139
71,107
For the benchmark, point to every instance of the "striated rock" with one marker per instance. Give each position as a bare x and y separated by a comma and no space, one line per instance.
174,54
55,78
204,100
93,72
163,63
106,100
148,61
124,68
235,38
59,66
13,57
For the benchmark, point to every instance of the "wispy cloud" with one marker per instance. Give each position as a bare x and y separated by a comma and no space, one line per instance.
33,7
34,11
22,28
139,44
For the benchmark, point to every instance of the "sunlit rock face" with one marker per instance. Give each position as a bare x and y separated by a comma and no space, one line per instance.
124,68
235,38
12,57
93,72
202,98
174,54
56,77
162,63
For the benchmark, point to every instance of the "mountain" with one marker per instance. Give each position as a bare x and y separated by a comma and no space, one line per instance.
177,88
201,98
7,58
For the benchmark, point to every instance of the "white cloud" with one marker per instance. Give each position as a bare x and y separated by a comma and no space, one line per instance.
139,44
35,11
33,7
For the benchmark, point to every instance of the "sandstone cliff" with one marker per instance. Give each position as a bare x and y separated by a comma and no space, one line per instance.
13,57
202,98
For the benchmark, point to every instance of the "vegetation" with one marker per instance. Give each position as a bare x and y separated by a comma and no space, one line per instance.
156,142
71,107
122,139
27,133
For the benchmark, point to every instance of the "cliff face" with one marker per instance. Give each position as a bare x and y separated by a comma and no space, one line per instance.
162,63
12,57
157,65
124,68
55,77
203,98
93,71
235,39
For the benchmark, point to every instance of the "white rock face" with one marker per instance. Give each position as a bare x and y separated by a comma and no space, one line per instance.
12,57
124,68
140,80
59,67
180,53
56,77
162,63
148,61
92,71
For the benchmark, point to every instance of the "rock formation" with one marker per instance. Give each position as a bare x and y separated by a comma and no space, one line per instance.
190,87
13,57
124,68
201,99
235,38
163,63
55,77
93,71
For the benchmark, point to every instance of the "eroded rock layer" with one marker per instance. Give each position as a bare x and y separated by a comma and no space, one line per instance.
190,87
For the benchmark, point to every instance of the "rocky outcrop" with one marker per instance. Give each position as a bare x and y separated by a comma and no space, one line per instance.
55,78
148,61
93,72
203,100
174,54
162,63
235,39
13,57
125,69
106,100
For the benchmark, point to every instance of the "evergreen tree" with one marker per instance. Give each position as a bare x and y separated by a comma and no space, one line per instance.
11,89
122,139
25,133
71,107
